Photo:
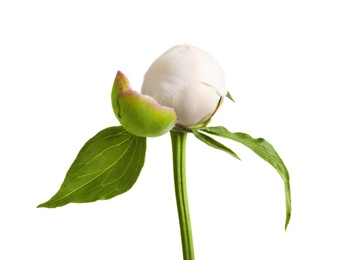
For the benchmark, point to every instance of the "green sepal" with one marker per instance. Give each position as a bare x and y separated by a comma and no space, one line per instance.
266,151
228,95
139,114
106,166
213,143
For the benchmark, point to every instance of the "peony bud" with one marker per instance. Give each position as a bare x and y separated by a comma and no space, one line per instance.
188,80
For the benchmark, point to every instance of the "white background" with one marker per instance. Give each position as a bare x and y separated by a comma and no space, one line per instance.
288,66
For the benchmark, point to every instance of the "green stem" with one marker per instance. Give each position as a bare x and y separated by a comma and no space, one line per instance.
178,140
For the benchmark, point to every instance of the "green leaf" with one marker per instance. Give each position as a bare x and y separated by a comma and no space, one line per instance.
228,95
266,151
213,143
106,166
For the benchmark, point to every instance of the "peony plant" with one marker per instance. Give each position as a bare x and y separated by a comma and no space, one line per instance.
181,92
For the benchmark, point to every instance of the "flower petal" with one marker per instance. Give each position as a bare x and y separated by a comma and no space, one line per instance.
188,80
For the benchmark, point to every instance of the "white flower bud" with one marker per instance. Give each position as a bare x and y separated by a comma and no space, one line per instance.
188,80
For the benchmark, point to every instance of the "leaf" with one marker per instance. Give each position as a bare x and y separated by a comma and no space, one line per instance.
213,143
106,166
266,151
